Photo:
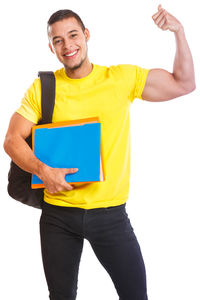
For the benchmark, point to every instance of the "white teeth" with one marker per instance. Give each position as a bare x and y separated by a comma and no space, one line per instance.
71,53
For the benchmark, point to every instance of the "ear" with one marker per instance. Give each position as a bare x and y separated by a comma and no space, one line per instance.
51,48
87,34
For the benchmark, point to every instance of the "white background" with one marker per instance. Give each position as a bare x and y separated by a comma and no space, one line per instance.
164,195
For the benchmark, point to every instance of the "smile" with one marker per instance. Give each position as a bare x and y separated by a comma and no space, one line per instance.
71,55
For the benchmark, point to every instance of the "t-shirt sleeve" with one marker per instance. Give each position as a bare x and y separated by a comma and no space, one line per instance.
133,79
30,107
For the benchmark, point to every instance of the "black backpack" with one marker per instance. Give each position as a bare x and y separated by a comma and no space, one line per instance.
19,181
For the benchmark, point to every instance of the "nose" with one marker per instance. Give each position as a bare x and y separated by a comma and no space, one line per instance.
67,45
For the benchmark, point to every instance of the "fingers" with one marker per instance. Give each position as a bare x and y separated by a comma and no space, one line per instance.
70,170
160,18
160,10
161,23
60,187
55,180
159,15
64,185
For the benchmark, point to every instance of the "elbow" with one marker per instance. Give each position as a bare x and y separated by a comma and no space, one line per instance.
7,144
193,87
190,88
186,88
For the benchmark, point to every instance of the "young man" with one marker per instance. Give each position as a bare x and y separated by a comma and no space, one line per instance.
94,211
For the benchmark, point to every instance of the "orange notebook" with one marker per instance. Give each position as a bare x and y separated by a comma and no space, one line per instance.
70,144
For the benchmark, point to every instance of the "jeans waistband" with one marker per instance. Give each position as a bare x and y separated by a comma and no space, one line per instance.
48,205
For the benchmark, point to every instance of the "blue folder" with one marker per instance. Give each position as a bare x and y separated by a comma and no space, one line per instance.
74,146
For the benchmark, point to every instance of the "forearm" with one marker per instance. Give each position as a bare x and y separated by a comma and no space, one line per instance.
183,69
20,152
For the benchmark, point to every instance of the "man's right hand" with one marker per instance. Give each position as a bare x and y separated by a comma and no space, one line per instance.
54,178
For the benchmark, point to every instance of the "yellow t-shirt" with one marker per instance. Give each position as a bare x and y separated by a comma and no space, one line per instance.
106,92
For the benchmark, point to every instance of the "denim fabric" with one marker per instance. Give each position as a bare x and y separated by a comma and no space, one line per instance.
109,231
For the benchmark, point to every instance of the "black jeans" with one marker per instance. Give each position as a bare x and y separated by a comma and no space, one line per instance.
109,231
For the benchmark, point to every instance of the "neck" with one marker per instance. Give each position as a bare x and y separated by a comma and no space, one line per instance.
82,71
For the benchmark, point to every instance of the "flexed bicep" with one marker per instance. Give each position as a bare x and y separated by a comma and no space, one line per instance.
161,86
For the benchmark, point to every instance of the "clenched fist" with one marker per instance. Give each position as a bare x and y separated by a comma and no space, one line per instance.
165,20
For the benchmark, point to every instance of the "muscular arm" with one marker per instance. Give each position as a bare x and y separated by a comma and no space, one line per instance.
17,148
162,85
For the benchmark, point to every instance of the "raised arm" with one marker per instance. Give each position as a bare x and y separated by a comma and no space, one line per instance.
17,148
162,85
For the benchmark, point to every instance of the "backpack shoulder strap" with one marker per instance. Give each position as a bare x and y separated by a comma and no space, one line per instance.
47,95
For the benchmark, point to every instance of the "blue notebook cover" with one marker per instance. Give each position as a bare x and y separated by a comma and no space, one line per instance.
77,146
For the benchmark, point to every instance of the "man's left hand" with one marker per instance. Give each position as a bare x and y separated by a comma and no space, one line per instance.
165,20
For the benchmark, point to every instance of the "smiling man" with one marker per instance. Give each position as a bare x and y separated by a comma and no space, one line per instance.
95,211
68,40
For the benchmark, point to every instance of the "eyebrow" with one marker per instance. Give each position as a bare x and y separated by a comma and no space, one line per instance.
56,37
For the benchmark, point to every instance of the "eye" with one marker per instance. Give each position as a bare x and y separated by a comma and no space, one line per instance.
73,35
57,41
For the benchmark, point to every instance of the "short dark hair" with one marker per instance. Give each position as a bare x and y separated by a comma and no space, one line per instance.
64,14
